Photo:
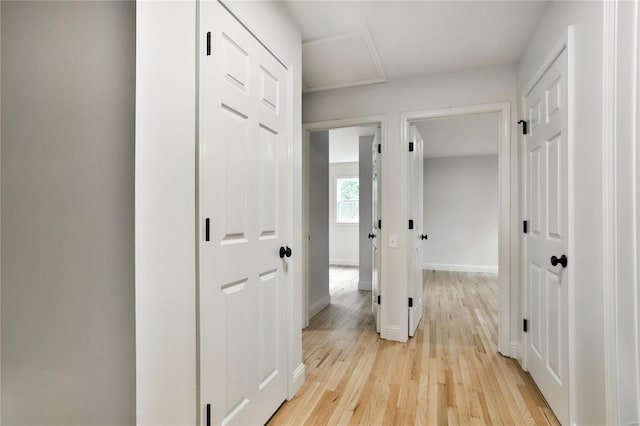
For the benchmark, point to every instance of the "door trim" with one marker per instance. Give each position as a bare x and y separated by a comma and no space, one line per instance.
566,43
307,128
508,211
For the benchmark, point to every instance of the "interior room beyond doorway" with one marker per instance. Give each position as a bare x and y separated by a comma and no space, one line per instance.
340,213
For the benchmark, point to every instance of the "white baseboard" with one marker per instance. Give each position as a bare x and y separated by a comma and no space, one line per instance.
344,262
460,268
318,306
298,380
364,285
392,332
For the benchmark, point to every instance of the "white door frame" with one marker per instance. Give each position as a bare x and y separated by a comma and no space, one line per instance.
507,219
307,128
566,43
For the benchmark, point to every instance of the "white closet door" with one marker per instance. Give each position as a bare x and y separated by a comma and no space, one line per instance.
416,165
546,342
375,230
243,192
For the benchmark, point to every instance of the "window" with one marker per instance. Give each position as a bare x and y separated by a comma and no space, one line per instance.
348,190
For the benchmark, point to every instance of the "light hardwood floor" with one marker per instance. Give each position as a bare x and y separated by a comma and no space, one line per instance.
450,373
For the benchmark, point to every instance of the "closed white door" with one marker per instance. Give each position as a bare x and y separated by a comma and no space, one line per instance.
415,225
243,179
547,271
375,230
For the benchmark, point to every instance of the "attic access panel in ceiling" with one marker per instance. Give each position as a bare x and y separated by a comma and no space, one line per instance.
344,61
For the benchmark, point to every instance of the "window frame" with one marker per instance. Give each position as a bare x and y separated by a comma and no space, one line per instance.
338,200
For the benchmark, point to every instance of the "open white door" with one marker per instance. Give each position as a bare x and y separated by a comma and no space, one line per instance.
415,164
547,267
243,179
375,230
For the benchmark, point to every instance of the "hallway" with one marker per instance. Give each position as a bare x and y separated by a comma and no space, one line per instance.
450,373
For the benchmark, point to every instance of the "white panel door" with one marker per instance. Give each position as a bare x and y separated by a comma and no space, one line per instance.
375,230
243,181
546,342
416,165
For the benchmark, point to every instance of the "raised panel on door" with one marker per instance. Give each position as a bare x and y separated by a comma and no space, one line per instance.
243,193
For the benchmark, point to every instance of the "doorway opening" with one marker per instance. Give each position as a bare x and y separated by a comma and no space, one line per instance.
341,168
340,177
464,222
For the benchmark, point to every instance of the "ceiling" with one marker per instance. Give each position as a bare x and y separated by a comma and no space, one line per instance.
348,43
344,143
466,135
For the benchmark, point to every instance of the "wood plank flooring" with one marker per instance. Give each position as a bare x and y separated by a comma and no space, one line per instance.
449,373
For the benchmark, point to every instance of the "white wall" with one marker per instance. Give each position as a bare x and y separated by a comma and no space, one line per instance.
365,168
68,330
344,240
391,99
461,213
165,261
318,295
587,320
165,200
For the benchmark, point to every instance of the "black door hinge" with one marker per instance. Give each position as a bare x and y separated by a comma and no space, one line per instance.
525,226
206,229
410,146
379,223
378,299
379,149
411,302
208,420
410,223
524,126
209,43
525,325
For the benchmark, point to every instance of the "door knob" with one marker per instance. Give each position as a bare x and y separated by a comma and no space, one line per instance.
287,251
283,252
372,236
424,236
562,260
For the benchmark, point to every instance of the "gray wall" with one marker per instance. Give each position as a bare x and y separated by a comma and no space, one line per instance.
461,213
318,222
68,344
366,207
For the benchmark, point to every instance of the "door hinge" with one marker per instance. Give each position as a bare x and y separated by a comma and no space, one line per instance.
209,43
378,299
525,226
379,149
410,223
208,415
525,325
411,302
410,146
524,126
379,223
206,229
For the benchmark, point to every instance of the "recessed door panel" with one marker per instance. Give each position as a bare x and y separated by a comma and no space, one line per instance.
554,190
269,332
554,326
236,63
535,183
234,201
268,166
269,90
235,302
